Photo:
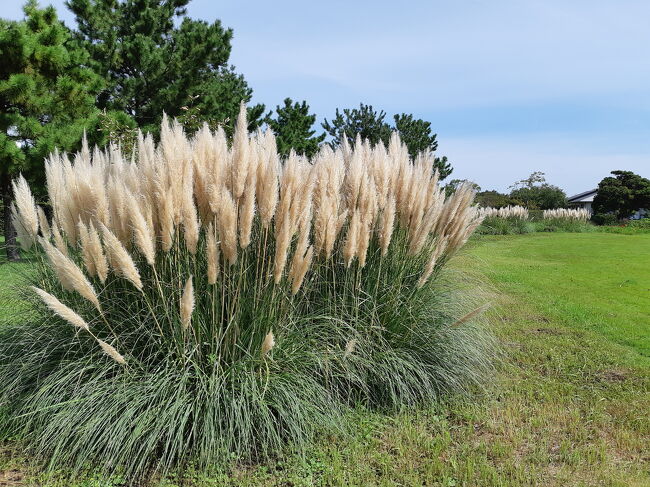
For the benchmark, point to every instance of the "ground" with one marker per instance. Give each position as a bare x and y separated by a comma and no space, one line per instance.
569,406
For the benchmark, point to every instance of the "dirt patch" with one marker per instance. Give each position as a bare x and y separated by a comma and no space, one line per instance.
546,331
11,478
612,375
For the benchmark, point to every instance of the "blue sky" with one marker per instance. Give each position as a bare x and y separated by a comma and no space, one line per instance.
510,86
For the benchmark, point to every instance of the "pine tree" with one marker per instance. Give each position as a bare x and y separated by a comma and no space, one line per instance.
47,99
623,194
370,124
155,60
362,121
292,127
416,134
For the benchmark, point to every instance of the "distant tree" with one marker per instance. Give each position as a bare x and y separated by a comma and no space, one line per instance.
535,178
535,193
292,126
622,194
156,59
371,125
416,134
494,199
363,121
47,99
452,186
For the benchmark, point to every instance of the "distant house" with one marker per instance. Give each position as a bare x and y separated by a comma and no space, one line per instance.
584,200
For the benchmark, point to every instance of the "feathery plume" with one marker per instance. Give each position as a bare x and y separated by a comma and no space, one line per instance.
43,223
438,250
268,343
227,218
120,259
212,251
141,230
240,154
187,303
84,241
25,206
349,348
24,237
97,253
247,210
111,352
59,242
61,309
69,274
301,266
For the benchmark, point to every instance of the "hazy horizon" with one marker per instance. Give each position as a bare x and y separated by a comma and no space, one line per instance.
510,88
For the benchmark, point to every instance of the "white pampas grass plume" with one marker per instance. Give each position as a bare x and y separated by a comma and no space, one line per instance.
26,206
188,211
578,214
440,247
212,251
59,242
247,209
166,218
387,224
240,154
227,218
43,223
120,259
268,343
350,248
97,253
70,276
267,180
61,309
111,352
349,348
24,238
300,268
187,303
141,230
282,242
84,242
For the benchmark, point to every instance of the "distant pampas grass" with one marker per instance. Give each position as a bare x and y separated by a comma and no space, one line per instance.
234,304
574,214
518,212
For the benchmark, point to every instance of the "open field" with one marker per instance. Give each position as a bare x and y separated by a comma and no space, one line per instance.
569,407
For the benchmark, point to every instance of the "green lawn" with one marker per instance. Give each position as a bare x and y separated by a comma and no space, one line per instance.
597,282
569,406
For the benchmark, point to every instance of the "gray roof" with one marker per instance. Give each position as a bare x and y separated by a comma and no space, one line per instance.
581,196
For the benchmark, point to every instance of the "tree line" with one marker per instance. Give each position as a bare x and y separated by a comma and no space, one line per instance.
123,65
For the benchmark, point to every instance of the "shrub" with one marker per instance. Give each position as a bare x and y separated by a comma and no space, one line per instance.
563,225
208,302
630,227
604,219
505,226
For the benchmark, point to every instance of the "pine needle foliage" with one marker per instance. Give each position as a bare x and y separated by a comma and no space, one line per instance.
245,301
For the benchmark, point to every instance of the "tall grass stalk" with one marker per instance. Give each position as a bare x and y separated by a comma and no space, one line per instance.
233,304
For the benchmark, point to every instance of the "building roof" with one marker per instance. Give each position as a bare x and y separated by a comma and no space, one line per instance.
587,196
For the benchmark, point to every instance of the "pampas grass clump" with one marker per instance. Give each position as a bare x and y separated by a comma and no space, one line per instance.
211,300
518,212
571,214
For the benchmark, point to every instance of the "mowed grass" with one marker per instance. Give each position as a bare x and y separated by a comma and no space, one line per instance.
597,282
568,407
